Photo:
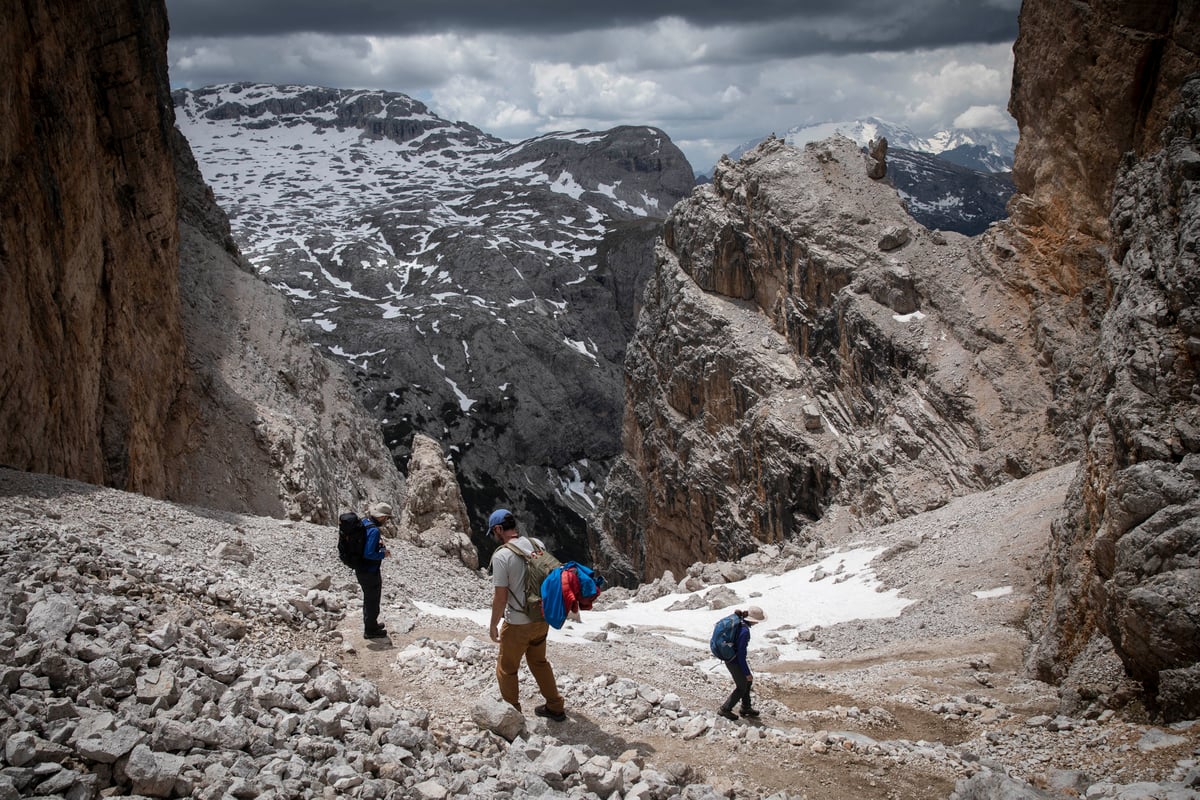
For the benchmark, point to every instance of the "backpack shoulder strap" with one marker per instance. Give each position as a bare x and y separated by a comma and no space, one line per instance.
525,558
513,547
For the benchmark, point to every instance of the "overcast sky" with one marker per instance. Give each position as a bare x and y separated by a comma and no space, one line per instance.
711,73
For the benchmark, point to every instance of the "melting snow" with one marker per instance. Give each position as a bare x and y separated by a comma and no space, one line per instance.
580,347
908,317
792,602
566,185
464,402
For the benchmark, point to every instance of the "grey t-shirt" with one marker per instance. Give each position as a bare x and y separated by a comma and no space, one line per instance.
508,569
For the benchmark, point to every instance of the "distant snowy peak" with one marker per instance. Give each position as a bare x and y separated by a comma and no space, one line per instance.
333,152
862,131
994,149
984,151
234,100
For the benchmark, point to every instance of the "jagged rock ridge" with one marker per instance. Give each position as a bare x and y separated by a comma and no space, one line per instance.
955,180
805,344
1082,340
983,151
482,292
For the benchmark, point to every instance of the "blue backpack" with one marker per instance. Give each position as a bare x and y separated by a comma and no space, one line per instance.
723,643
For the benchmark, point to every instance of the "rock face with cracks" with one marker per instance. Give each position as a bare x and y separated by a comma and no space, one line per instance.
1125,556
136,350
1107,207
805,344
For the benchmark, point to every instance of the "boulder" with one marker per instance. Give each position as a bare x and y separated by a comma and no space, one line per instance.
153,774
498,717
52,619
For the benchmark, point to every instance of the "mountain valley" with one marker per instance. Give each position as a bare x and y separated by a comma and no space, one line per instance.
478,291
958,473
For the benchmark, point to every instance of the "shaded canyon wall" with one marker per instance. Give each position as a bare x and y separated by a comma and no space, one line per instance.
136,351
1107,168
92,353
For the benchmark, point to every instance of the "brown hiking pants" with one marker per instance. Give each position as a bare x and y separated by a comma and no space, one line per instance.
528,641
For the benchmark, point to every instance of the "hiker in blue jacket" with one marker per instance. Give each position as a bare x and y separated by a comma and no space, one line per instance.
739,669
369,577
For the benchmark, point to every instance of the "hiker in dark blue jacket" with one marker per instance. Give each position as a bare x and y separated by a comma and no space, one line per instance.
369,577
739,668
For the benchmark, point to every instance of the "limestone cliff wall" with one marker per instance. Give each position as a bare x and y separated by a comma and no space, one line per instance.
1093,80
91,344
136,349
1124,560
1127,555
1105,171
805,344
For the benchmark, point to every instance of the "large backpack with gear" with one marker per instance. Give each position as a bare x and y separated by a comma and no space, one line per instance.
352,540
538,566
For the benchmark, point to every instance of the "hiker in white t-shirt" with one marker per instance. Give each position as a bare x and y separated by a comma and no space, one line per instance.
521,637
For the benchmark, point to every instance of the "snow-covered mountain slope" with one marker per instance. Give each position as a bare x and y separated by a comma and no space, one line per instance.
943,195
480,291
952,180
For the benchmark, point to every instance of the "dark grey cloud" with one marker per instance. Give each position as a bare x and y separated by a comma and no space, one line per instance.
811,26
711,74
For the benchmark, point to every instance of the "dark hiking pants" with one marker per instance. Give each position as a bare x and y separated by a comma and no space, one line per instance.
372,588
741,691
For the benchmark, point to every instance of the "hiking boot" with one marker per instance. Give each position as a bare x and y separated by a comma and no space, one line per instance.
749,712
374,633
542,711
726,713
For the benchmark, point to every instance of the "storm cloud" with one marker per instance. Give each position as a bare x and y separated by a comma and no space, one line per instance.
711,74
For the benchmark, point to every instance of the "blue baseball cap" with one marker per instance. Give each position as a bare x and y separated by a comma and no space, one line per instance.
498,516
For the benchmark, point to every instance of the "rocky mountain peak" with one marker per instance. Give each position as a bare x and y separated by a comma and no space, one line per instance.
805,344
954,180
